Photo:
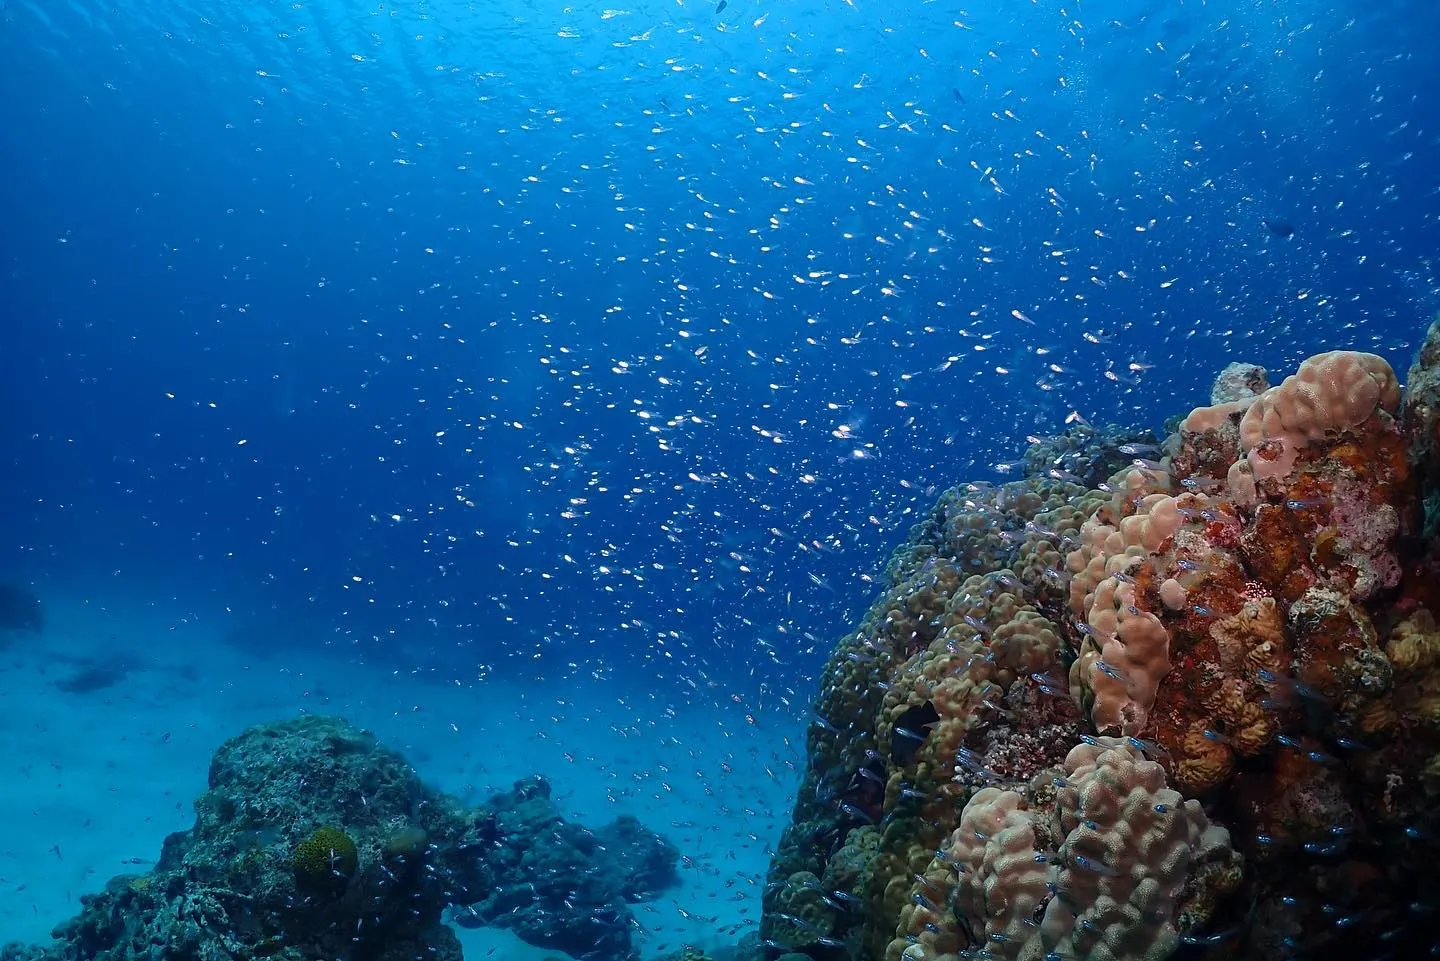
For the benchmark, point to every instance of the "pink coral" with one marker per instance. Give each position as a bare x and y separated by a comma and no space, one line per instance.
1330,392
1133,648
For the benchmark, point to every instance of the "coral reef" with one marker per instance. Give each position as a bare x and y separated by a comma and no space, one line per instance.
314,841
1122,708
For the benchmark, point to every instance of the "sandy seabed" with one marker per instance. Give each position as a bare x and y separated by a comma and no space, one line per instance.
91,781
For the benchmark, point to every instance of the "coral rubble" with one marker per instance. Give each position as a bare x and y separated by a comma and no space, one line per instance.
1191,703
314,841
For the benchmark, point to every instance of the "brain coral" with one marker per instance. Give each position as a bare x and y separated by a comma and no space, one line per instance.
326,857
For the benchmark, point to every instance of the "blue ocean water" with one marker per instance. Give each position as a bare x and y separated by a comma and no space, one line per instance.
534,342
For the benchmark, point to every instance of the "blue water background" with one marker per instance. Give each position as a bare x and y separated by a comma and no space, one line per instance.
540,340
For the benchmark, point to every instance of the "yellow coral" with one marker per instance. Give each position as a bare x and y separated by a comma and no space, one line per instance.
1414,651
1414,644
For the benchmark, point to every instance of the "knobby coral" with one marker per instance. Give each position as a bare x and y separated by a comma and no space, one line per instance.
1193,703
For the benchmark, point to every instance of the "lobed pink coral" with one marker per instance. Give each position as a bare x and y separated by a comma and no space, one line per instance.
1330,392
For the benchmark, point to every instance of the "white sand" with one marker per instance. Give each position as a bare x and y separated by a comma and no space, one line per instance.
90,780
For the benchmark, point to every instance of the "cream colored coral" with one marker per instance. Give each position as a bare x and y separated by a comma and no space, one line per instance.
1132,852
1002,883
1173,594
1130,846
1330,391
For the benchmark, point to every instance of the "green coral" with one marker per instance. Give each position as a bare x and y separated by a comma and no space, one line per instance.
325,858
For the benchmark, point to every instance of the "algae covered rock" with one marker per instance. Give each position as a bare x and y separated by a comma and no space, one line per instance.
563,886
315,841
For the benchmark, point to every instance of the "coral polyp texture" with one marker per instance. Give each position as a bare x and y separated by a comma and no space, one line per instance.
1161,695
